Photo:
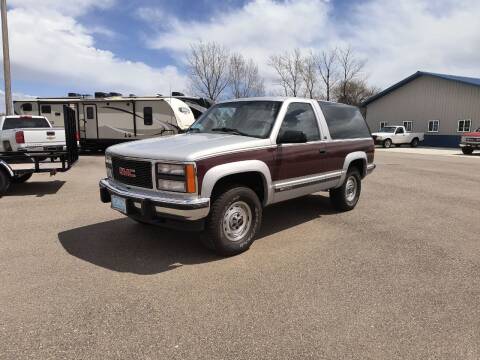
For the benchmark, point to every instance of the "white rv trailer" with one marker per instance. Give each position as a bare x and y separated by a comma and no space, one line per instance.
106,120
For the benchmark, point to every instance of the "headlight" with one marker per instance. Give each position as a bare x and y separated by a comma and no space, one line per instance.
176,177
171,169
108,165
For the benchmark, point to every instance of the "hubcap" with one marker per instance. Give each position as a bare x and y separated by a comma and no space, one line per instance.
351,189
237,221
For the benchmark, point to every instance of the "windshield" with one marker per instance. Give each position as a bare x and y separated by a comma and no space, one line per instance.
24,123
388,129
246,118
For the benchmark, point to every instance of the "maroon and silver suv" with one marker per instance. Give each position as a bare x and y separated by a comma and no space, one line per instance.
236,159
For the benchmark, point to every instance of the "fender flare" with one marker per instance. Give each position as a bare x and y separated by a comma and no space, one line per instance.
7,168
357,155
216,173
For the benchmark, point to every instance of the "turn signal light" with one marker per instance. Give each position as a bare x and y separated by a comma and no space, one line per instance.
19,137
190,178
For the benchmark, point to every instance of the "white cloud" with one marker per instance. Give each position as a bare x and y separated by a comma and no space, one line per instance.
397,37
54,48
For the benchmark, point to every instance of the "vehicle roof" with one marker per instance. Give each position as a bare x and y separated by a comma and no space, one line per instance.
103,99
24,116
277,98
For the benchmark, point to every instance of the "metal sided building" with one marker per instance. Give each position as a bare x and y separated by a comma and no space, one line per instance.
441,106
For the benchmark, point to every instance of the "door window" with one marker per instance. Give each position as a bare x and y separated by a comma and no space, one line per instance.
147,115
399,131
90,114
300,117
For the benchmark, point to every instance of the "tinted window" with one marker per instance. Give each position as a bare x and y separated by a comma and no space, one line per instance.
300,117
24,123
147,116
46,109
344,121
399,131
27,107
90,115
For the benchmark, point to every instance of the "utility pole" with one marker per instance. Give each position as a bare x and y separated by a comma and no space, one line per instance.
6,60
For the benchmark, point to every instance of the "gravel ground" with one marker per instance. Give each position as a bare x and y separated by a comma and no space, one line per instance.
397,278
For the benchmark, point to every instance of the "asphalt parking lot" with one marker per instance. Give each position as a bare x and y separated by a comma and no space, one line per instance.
397,278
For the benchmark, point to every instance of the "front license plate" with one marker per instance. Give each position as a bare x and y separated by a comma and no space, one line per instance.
119,203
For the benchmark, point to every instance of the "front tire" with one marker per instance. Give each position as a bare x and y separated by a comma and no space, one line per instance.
387,144
345,198
234,220
467,151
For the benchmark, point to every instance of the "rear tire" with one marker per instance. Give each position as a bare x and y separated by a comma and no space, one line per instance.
414,143
20,179
234,220
4,182
345,198
387,143
467,151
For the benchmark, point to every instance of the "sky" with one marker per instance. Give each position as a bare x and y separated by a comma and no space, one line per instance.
140,46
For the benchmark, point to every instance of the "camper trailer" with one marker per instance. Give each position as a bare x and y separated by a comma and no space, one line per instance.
110,118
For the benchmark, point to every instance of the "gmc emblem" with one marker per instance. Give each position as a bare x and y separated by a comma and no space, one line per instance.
127,172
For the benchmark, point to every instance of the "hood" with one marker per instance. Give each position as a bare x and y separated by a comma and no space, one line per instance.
185,147
472,134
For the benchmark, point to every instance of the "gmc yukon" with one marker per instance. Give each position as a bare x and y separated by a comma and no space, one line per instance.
237,158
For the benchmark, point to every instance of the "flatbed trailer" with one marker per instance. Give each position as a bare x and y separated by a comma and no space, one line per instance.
18,167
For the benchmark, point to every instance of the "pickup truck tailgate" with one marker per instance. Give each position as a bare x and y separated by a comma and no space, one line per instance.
47,136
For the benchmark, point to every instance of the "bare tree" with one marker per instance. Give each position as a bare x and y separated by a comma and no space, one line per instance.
350,69
355,92
309,75
288,67
209,69
327,64
245,79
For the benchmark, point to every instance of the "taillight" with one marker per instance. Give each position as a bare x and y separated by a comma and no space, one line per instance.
19,137
77,136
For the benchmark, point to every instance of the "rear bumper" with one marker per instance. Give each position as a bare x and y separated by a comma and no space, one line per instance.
155,208
39,148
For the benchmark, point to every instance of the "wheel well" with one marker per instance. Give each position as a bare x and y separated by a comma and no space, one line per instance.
359,164
253,180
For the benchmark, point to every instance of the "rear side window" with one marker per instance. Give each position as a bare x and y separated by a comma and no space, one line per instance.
46,109
300,117
147,115
24,123
27,107
344,121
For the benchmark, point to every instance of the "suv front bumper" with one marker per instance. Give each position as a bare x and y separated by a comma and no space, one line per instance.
155,208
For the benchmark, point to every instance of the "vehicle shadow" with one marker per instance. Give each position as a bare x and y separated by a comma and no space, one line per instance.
38,188
123,245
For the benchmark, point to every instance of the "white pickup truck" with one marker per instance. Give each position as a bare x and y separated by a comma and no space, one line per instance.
30,133
396,135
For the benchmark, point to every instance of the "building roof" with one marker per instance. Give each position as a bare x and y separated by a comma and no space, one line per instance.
461,79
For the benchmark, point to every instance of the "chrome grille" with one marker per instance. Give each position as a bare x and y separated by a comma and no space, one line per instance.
133,172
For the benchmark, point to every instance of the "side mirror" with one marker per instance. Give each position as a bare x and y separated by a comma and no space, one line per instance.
292,137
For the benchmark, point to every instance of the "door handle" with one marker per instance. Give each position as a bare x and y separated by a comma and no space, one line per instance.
322,151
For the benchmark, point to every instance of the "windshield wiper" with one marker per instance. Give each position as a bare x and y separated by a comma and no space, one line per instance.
230,131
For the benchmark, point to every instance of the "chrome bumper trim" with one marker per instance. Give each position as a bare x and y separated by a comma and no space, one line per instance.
186,209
